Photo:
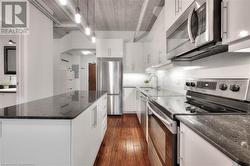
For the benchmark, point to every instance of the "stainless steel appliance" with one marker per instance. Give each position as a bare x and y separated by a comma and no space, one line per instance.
109,78
197,33
143,95
203,97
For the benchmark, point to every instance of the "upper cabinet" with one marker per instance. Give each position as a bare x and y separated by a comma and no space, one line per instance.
235,23
134,60
109,48
174,9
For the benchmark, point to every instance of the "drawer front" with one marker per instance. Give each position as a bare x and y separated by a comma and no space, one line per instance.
153,157
163,140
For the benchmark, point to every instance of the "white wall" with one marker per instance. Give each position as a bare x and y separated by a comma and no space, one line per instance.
84,70
36,58
4,41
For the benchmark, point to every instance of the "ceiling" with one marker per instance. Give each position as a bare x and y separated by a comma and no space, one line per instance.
109,15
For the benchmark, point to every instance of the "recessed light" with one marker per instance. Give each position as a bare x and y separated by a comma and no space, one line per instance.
243,33
86,52
63,2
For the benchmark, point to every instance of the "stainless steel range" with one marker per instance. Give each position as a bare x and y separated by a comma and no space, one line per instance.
203,97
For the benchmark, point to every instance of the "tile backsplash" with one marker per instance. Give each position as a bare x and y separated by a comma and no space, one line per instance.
225,65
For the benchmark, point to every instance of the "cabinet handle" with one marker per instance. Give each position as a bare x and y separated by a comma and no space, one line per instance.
1,129
176,7
224,19
181,145
180,3
94,114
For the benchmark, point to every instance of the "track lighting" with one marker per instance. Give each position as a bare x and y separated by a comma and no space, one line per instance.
93,39
87,31
78,16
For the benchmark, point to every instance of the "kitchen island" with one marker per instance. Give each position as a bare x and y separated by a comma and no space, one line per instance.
61,130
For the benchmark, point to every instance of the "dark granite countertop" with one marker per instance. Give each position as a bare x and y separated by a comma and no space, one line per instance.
63,106
228,133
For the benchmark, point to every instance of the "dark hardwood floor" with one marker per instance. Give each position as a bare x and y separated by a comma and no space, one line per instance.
123,144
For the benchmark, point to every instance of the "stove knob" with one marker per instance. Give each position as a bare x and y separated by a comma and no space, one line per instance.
192,84
223,86
188,83
235,88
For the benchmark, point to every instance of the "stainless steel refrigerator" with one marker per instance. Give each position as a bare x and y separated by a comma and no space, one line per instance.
109,78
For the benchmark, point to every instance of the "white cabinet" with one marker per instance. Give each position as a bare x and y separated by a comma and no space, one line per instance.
35,142
109,48
129,100
195,151
235,22
102,116
174,9
7,99
134,60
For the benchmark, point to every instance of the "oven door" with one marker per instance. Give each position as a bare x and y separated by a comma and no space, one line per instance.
162,138
201,22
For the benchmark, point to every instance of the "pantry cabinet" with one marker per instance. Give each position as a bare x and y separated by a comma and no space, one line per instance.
194,150
235,22
109,48
134,62
174,9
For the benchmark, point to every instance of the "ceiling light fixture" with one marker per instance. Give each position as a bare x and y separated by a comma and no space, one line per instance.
87,31
93,39
12,42
63,2
87,28
78,16
86,52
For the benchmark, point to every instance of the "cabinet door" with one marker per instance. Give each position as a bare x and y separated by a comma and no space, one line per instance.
7,99
170,13
134,61
109,48
116,47
102,48
195,151
235,20
129,100
35,142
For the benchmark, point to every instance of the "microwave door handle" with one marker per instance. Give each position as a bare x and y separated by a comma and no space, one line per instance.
169,124
189,26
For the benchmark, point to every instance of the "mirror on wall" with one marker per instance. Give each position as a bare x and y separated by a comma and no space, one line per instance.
10,60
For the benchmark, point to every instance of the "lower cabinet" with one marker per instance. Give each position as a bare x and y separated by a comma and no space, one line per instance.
51,142
195,151
129,100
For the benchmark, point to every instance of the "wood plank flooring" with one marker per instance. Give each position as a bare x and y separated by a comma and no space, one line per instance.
124,143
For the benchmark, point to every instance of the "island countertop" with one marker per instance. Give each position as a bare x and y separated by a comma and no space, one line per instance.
63,106
228,133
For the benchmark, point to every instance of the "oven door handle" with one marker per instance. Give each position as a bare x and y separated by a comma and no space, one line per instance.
166,122
189,26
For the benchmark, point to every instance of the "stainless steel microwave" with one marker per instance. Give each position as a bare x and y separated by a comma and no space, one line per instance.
197,33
